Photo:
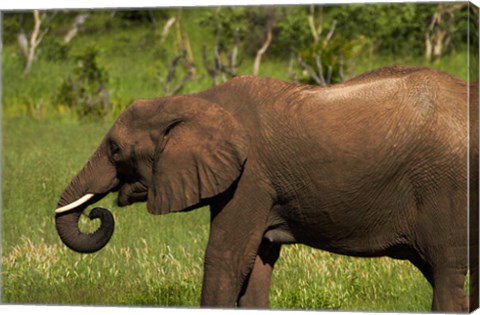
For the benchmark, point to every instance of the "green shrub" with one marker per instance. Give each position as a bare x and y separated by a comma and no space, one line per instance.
292,32
53,49
86,90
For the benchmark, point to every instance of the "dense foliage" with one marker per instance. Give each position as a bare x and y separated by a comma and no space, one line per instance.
86,90
184,50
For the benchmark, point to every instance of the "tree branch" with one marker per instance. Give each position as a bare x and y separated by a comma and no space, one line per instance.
23,42
331,32
316,31
318,79
77,23
318,61
166,28
172,72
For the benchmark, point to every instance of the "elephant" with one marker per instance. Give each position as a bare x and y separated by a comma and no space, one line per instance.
374,166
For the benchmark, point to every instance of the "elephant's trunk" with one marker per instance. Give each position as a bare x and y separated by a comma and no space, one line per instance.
70,234
91,184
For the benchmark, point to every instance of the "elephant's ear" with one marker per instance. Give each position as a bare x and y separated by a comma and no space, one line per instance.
201,155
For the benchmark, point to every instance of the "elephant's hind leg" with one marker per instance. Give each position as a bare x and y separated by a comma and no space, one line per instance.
448,291
256,289
447,282
441,241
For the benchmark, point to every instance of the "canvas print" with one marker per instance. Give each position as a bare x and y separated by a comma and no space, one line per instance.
314,157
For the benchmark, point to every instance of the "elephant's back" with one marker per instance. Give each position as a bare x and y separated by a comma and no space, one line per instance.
407,119
389,104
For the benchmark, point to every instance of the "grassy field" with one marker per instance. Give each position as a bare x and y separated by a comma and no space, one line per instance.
151,260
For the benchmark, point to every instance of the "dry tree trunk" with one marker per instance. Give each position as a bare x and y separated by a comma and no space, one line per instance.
266,43
437,34
318,75
262,50
316,31
77,23
217,66
219,69
183,41
166,28
172,73
29,46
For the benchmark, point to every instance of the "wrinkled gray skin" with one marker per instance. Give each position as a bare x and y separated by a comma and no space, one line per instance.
375,166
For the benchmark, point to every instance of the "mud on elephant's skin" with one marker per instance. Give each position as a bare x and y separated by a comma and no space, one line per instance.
375,166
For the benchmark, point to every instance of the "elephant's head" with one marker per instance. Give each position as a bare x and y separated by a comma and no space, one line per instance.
173,153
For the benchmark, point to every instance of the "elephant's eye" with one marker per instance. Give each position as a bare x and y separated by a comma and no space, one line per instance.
114,148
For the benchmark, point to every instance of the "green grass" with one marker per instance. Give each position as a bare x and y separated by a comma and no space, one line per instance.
153,260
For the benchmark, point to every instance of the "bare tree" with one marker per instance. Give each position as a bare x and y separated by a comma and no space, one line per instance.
314,29
266,43
438,32
183,59
317,30
224,64
321,75
30,45
166,28
261,51
219,69
168,86
77,23
317,75
182,39
216,68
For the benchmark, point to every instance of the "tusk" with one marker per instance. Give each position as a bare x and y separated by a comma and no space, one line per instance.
74,204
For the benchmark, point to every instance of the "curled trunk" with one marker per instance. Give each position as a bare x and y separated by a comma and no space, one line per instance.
73,238
92,183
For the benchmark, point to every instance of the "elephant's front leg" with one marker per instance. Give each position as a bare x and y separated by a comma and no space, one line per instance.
236,231
256,289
